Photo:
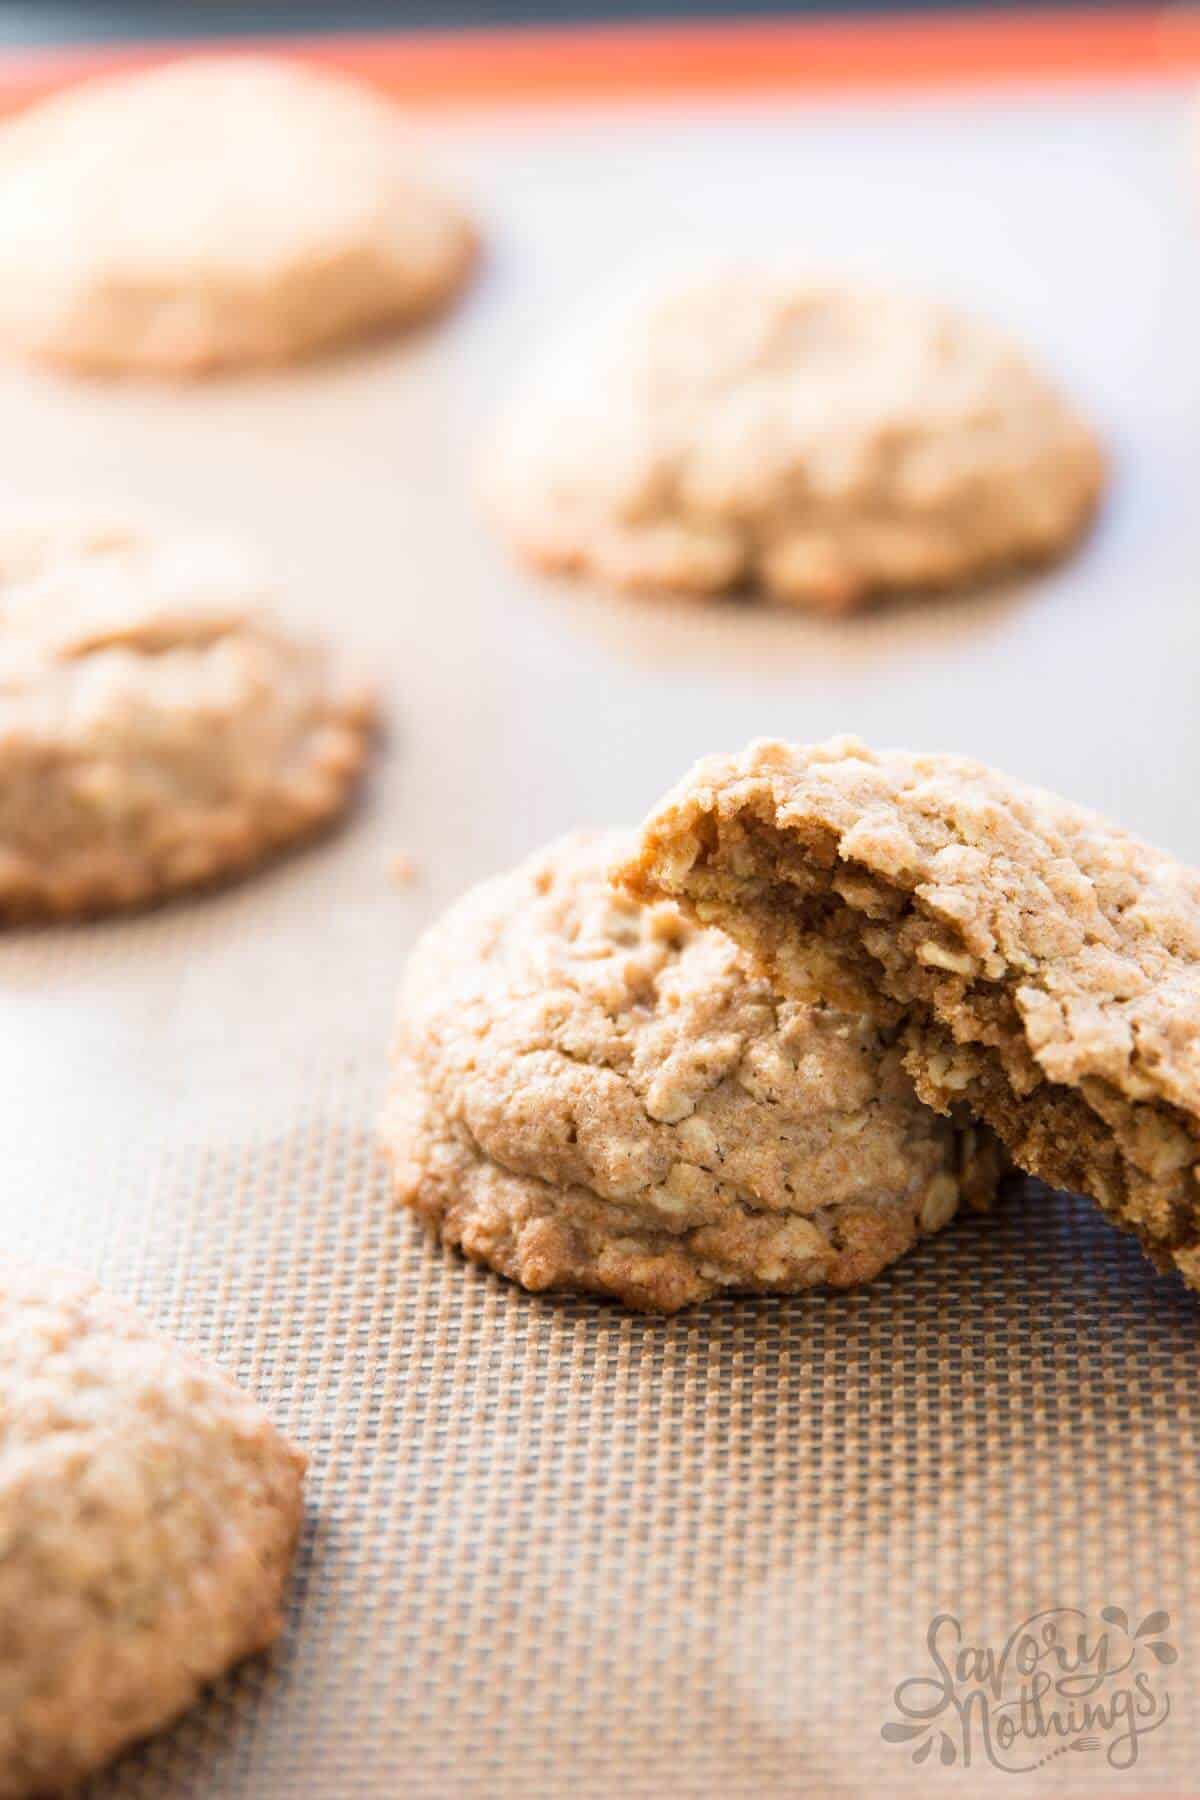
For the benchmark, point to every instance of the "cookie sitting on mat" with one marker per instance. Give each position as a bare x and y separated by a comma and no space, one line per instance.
215,213
148,1517
588,1094
823,444
159,729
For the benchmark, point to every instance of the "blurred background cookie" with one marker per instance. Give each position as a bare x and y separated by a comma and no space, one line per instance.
148,1515
821,443
157,728
216,212
589,1094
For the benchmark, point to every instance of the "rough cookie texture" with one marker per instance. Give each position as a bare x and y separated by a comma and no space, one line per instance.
823,443
215,212
1044,965
157,730
588,1094
148,1517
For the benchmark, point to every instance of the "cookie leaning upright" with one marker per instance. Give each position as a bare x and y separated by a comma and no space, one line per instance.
216,212
158,729
821,443
148,1517
591,1095
1043,963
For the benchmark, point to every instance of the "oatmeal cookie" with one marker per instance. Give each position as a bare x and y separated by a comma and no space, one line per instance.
588,1094
823,443
157,729
1042,965
216,212
148,1516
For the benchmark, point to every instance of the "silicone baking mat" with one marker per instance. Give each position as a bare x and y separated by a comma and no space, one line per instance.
552,1548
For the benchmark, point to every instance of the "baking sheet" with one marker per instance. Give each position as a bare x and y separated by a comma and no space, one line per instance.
553,1548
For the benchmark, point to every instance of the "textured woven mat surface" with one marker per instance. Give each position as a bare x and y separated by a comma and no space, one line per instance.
553,1549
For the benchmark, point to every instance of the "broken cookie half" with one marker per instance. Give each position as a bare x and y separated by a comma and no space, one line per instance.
1040,966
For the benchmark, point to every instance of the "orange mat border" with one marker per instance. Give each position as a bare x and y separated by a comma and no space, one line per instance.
821,56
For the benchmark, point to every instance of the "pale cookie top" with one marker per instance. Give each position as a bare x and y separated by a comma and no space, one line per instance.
823,442
1046,964
157,728
215,211
148,1514
592,1094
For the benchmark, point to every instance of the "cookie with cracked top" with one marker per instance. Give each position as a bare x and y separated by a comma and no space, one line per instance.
148,1516
159,728
821,443
588,1094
